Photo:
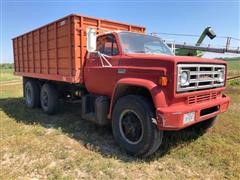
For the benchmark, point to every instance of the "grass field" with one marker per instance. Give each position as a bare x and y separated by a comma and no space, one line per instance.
7,75
234,70
63,146
234,67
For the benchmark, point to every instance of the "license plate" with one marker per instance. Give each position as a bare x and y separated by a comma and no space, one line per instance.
189,117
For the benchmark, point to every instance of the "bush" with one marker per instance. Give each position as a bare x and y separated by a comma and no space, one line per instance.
234,82
6,66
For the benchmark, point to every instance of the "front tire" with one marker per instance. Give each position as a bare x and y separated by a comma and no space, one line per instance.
49,98
133,128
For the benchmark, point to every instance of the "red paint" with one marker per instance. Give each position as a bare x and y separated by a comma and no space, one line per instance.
142,70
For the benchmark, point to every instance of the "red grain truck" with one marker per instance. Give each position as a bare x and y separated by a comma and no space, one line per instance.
122,76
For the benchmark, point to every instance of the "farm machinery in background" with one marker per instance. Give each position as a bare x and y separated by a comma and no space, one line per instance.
198,50
195,52
185,49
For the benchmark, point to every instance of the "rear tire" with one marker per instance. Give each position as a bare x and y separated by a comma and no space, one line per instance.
49,98
32,94
133,128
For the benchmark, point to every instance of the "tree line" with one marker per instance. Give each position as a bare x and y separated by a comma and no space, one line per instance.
6,65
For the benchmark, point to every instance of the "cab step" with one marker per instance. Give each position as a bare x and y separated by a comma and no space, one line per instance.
95,109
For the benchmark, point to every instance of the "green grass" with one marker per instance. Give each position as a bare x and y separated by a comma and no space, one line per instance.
231,59
233,67
7,75
63,146
234,82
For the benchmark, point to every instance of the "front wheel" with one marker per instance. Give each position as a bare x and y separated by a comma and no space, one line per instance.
133,127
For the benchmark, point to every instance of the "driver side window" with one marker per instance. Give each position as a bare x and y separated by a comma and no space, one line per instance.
106,44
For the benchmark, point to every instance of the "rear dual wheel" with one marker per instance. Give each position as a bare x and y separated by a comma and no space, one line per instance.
47,97
32,93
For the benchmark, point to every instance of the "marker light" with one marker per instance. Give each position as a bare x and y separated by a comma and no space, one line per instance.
163,81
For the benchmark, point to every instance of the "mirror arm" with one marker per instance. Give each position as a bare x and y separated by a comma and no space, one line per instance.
103,58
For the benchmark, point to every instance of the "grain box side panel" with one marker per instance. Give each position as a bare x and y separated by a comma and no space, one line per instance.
57,50
19,54
29,55
52,51
43,50
80,45
36,61
64,44
15,54
46,52
77,48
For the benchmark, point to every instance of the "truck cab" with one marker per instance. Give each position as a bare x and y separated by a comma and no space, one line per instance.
132,68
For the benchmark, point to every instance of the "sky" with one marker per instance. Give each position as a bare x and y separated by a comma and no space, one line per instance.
169,16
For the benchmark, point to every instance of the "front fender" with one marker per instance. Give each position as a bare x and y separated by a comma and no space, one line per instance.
155,90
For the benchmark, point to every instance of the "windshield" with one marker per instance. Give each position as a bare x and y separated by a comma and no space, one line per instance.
140,43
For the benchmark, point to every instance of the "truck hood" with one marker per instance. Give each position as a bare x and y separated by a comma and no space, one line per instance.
175,59
151,67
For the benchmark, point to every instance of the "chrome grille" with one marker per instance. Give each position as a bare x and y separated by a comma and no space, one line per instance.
200,76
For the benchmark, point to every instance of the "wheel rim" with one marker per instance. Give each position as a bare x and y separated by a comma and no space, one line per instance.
44,99
131,127
28,95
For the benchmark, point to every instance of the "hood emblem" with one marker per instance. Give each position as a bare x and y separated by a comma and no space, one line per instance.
204,77
122,71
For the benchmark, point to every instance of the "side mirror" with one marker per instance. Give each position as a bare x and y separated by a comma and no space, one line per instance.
91,40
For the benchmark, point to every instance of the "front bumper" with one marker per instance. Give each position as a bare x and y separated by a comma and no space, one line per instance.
171,117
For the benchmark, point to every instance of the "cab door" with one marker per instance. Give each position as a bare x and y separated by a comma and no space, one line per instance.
100,72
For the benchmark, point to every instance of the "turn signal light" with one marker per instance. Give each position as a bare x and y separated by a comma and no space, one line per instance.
163,81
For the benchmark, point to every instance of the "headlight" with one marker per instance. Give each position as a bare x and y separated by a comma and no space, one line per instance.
184,78
221,77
